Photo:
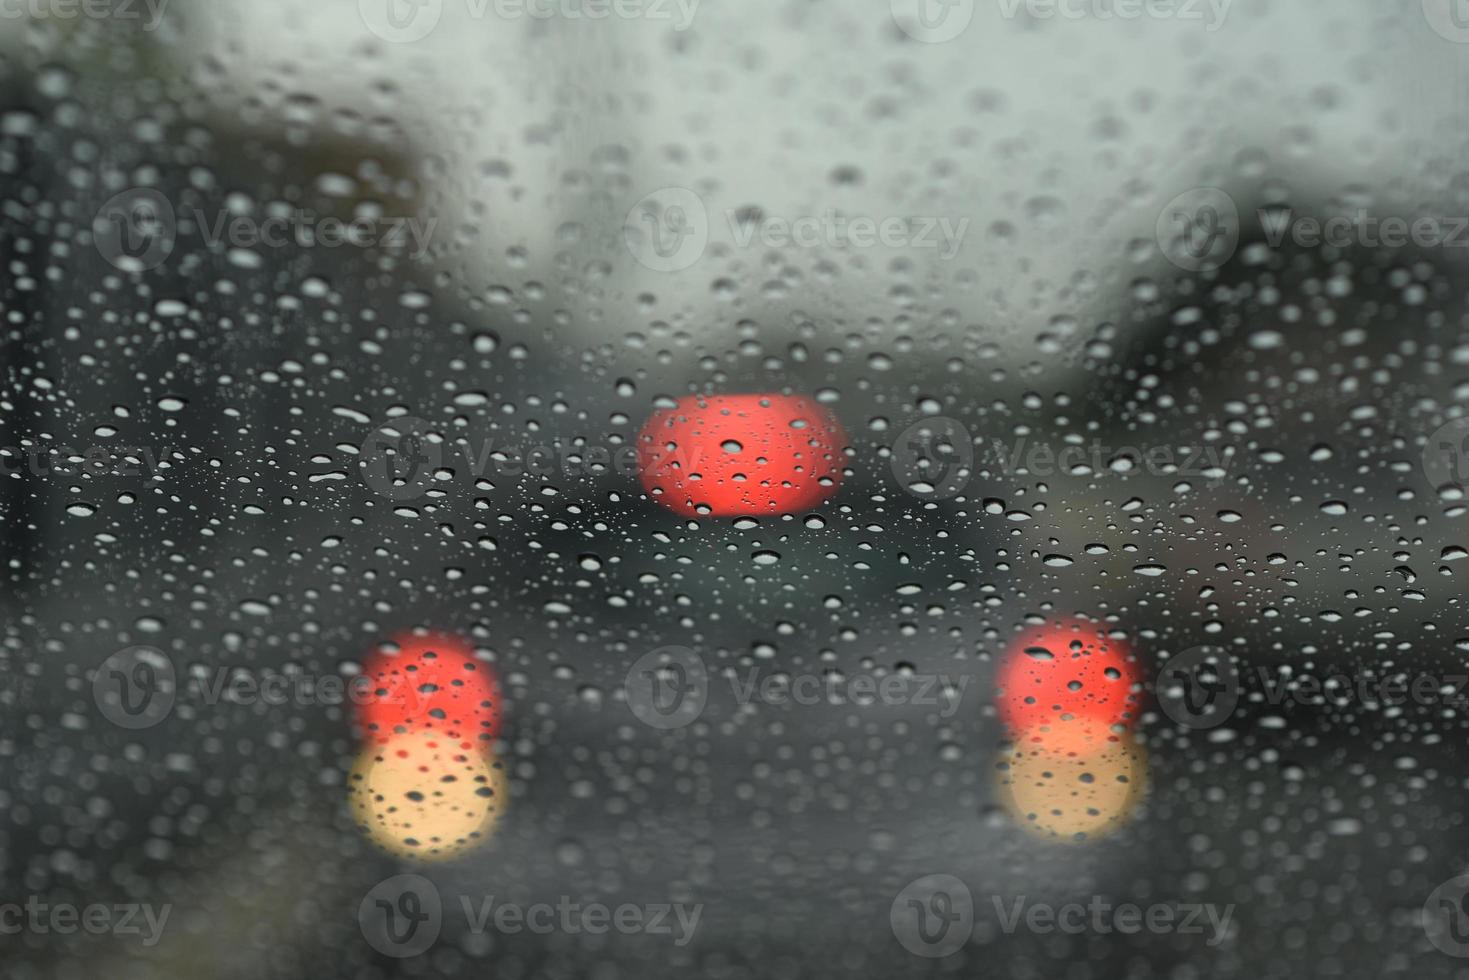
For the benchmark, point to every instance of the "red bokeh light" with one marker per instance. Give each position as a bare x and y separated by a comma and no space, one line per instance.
1068,684
433,684
741,455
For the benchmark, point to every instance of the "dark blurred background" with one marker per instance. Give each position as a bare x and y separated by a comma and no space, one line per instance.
245,379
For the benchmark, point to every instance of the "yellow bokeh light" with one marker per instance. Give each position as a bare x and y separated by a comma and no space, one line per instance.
1058,794
427,797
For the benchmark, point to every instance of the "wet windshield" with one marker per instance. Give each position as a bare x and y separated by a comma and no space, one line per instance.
640,488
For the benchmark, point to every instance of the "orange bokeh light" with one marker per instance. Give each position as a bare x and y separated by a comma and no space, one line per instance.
741,455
